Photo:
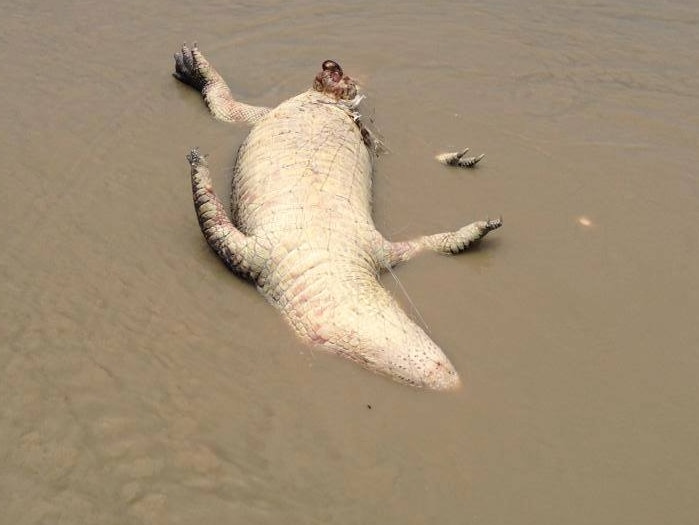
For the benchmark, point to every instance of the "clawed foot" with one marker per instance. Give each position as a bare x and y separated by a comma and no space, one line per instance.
459,159
467,235
196,158
479,229
492,224
191,67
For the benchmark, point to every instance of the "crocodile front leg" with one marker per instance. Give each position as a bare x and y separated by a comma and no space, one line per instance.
192,68
447,243
243,254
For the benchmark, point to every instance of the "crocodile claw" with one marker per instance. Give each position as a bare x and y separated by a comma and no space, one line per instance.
196,158
459,159
189,68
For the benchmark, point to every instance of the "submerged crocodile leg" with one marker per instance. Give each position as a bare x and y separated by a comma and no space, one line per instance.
459,159
446,243
242,254
192,68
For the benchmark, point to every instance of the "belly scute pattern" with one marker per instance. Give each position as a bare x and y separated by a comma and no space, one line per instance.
302,227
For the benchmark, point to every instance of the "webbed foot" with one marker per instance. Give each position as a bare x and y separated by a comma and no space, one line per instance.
191,67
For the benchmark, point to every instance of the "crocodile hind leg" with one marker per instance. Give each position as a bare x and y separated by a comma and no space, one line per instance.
459,159
192,68
242,254
446,243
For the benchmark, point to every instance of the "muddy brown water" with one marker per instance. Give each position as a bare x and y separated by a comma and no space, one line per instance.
141,382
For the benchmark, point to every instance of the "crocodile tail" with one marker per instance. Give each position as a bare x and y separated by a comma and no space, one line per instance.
363,322
389,342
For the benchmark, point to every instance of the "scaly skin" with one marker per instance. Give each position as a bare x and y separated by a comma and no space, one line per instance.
302,227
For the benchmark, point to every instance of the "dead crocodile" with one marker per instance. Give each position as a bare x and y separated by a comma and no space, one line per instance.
302,228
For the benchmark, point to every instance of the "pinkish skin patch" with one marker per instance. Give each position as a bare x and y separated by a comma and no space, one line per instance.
317,337
312,326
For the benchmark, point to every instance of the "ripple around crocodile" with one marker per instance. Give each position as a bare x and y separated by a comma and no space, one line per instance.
302,228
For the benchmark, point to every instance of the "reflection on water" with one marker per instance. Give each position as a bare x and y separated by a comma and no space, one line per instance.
143,383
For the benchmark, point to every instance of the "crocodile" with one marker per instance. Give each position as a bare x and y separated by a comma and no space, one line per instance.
301,226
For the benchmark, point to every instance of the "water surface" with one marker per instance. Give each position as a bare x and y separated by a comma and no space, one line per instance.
141,382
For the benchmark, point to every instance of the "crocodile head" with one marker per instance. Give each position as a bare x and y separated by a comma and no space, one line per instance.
332,81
